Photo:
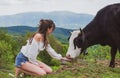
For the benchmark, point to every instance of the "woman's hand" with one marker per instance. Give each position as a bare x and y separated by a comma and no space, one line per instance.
65,59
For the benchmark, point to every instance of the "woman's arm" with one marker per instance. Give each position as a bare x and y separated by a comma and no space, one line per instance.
55,55
52,52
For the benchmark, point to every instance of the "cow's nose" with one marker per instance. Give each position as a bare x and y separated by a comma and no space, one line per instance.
68,55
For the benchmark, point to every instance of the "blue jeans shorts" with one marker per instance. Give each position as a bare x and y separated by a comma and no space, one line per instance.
20,59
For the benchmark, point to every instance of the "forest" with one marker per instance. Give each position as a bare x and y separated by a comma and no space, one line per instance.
93,65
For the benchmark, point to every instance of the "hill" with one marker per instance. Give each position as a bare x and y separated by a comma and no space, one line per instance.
60,33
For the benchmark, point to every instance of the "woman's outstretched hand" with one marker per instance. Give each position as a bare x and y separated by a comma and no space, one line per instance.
65,59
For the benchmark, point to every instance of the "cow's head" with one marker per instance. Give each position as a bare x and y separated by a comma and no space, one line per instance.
76,42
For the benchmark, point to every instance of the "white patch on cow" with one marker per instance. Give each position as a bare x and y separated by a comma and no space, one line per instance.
72,52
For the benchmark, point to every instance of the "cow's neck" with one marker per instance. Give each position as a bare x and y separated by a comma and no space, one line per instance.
92,34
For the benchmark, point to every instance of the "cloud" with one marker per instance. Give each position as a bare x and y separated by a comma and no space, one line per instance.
78,6
10,2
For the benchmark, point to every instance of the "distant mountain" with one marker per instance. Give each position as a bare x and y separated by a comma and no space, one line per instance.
63,19
60,33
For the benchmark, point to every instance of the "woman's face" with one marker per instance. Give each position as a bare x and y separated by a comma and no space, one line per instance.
50,30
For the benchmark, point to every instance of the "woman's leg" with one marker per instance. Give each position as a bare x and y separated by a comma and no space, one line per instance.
45,67
32,69
19,70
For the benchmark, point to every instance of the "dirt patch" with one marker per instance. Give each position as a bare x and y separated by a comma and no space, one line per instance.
75,66
106,63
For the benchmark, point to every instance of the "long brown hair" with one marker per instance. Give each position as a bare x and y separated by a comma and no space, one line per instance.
44,24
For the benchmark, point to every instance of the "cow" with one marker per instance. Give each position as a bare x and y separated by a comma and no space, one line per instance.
104,29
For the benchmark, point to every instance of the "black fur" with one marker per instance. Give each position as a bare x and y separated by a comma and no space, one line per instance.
104,29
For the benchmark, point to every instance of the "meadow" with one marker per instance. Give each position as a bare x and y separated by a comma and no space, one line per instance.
93,65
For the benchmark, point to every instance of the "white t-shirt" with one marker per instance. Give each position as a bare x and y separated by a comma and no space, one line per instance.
32,50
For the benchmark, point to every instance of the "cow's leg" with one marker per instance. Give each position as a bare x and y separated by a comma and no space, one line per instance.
85,52
113,53
119,50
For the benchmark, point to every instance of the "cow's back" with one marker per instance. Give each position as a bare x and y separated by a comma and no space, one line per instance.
106,25
108,15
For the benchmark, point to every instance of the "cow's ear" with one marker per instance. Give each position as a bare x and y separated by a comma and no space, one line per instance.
75,43
70,32
83,35
80,30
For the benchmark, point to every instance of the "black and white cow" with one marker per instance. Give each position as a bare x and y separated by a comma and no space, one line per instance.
104,29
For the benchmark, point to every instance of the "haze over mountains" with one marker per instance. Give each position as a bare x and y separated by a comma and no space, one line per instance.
65,21
62,19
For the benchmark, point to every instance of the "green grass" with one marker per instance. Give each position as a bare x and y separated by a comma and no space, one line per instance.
94,65
80,69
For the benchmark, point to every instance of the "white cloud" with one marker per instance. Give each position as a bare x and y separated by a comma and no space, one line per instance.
10,2
80,6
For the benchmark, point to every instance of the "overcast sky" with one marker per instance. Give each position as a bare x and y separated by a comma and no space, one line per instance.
8,7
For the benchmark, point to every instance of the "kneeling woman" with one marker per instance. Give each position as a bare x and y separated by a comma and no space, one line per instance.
26,59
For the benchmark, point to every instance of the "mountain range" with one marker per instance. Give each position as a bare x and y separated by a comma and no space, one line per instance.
62,19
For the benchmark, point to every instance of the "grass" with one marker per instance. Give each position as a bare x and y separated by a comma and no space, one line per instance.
80,69
95,65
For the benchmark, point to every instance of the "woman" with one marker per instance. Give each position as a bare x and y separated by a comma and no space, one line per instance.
26,59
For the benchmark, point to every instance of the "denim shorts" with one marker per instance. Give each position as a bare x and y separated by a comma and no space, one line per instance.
20,59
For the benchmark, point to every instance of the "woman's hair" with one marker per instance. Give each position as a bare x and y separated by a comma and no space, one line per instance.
44,24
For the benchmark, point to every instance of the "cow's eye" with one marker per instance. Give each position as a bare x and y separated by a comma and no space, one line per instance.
78,40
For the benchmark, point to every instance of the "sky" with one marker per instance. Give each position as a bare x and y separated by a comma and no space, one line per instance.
10,7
